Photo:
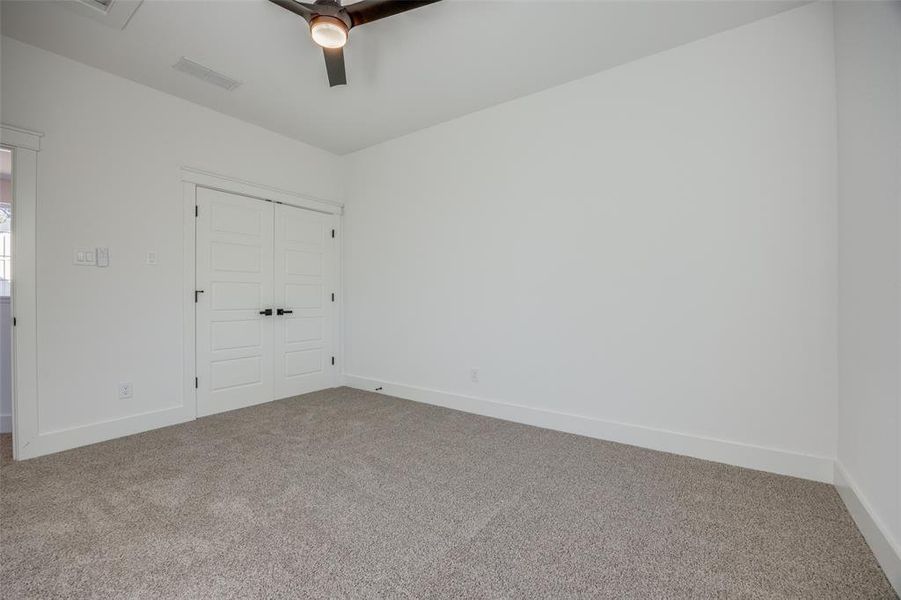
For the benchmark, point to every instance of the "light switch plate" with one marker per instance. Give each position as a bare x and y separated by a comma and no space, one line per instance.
102,257
84,257
152,257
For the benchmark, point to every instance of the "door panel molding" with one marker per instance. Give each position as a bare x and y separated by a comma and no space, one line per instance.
305,277
195,179
235,292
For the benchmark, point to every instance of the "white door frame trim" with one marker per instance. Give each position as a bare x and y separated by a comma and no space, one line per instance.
25,145
193,178
232,185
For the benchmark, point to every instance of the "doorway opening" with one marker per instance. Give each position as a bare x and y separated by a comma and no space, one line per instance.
6,212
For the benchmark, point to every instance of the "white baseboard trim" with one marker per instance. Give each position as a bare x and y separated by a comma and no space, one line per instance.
57,441
886,549
6,423
817,468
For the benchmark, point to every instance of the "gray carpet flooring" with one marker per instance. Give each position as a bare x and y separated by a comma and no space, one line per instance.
350,494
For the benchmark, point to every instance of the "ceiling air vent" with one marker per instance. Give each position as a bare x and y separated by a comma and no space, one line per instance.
98,4
206,74
112,13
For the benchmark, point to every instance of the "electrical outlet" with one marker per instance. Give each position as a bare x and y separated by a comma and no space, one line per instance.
474,375
125,391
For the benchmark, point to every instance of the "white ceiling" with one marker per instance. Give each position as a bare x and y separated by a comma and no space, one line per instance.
404,73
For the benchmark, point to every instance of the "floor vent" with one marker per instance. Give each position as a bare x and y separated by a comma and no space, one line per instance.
206,74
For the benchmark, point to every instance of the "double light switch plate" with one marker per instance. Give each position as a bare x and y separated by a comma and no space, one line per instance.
92,257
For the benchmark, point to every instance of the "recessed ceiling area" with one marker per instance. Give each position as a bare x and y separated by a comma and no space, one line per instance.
405,73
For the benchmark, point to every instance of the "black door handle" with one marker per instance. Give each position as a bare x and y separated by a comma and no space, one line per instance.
284,311
267,312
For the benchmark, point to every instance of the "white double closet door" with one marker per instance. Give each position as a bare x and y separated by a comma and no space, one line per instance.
266,313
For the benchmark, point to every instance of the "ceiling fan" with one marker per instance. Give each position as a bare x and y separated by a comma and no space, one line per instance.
330,23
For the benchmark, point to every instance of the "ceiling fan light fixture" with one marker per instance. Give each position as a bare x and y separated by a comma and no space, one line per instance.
330,21
328,32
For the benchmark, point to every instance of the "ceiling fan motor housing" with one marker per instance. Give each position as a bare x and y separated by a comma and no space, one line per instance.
330,19
331,9
330,23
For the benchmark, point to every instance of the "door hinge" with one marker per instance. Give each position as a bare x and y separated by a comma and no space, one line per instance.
333,233
333,360
196,293
333,296
14,321
196,211
196,383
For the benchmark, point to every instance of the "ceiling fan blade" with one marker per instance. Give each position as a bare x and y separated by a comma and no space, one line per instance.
303,9
372,10
334,65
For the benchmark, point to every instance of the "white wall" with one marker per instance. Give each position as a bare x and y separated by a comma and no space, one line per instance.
109,175
868,61
651,248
